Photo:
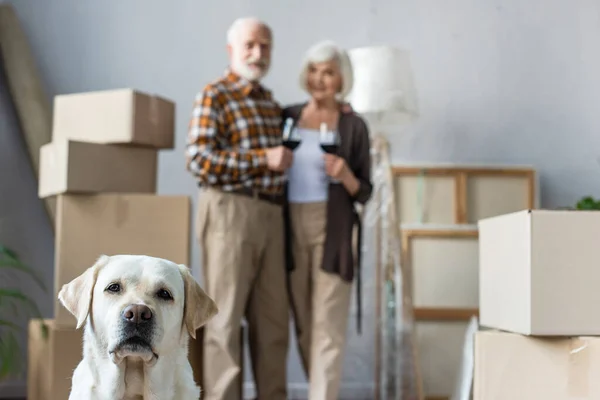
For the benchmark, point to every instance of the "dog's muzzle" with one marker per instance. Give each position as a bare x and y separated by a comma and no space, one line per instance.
137,328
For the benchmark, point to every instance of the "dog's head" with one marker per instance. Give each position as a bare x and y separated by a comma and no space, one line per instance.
139,305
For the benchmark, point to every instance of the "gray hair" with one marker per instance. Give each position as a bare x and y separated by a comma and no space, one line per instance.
238,24
328,51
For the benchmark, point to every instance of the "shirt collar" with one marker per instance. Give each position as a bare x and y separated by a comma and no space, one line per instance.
244,85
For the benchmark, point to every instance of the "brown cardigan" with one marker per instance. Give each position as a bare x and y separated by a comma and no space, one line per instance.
341,214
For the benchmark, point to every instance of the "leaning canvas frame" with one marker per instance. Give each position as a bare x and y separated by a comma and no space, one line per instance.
462,175
436,314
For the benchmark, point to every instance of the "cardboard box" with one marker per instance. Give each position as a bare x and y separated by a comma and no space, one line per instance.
510,366
88,226
52,360
122,116
538,272
68,166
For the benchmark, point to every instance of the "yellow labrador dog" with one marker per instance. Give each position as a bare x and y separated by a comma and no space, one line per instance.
139,312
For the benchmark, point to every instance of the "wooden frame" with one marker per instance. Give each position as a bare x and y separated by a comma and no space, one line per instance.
462,174
445,314
438,314
34,110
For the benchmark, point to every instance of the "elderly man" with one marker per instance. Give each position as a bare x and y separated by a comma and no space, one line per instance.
234,149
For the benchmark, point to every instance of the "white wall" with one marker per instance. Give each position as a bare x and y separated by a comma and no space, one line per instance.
498,81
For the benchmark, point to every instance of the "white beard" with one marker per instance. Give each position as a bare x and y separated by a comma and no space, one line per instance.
243,69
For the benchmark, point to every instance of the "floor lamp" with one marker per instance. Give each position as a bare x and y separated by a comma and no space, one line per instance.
384,94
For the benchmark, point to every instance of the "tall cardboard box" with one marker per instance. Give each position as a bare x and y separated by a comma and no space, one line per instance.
68,166
510,366
120,116
88,226
52,360
539,272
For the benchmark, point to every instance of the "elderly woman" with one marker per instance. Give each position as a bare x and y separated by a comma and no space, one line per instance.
321,192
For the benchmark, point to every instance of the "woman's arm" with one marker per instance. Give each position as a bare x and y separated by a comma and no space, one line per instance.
350,182
358,183
362,151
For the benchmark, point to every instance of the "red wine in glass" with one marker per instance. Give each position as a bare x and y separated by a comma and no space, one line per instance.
291,139
330,140
329,148
292,143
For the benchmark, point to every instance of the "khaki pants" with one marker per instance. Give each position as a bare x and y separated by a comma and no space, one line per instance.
243,264
320,303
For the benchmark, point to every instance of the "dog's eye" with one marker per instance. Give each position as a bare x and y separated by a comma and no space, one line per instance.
165,295
114,288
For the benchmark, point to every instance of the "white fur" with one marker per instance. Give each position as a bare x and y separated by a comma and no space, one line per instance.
161,374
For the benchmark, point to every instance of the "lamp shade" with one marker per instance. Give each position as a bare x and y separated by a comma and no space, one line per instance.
383,87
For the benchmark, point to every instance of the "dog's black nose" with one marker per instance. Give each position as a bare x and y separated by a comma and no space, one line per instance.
137,314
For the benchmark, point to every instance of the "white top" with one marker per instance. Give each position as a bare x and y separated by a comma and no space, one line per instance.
307,180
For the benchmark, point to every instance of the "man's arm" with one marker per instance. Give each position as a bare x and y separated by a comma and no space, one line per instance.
210,164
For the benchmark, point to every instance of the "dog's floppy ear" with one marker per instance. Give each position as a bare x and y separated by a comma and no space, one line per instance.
76,296
198,308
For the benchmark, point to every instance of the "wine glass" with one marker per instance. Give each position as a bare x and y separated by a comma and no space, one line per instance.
330,142
291,138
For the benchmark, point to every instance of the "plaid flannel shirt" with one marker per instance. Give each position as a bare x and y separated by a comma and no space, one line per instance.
233,123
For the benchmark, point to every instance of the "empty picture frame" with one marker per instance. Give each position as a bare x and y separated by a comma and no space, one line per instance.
430,194
445,273
445,290
424,198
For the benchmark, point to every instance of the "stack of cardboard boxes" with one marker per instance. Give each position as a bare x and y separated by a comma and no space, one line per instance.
540,302
101,166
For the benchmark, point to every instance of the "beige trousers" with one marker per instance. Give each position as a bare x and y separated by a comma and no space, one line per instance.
243,264
320,303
